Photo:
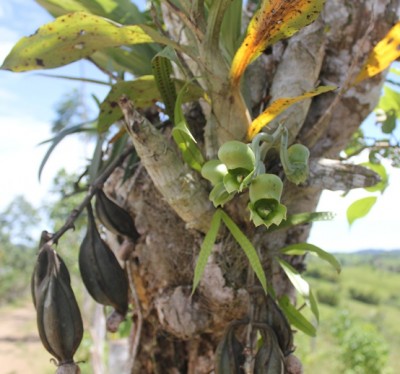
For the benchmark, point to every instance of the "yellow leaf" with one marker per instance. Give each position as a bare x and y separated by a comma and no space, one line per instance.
69,38
384,53
278,106
275,20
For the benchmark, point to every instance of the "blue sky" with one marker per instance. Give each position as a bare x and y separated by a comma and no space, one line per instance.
27,107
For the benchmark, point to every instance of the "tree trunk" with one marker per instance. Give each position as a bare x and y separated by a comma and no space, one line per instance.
180,332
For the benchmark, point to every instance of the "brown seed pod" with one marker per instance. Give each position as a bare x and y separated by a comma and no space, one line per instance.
269,358
58,317
101,273
113,217
229,356
273,316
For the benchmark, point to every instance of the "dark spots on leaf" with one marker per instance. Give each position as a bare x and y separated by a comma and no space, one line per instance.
39,62
113,104
36,32
109,112
390,40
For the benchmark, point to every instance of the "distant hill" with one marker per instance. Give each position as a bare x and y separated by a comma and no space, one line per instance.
383,259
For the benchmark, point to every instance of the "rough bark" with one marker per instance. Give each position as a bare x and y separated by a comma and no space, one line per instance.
180,332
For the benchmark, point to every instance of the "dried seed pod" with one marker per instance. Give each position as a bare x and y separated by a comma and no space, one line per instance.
101,273
272,315
58,317
229,356
113,217
269,358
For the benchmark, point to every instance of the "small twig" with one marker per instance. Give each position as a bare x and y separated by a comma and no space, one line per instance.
105,71
187,21
138,312
248,366
373,147
95,186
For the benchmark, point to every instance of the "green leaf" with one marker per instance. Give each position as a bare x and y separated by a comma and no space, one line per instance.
389,124
314,306
299,249
394,71
301,285
231,27
183,137
122,11
143,92
295,317
95,163
79,79
360,208
381,171
247,247
302,218
82,127
70,38
134,59
390,100
206,248
162,70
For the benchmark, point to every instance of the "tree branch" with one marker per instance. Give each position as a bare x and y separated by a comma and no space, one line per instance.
178,185
334,175
95,186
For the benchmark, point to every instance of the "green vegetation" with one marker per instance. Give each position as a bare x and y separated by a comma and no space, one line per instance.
359,330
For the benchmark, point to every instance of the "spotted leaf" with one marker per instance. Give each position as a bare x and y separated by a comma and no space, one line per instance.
275,20
278,106
69,38
383,54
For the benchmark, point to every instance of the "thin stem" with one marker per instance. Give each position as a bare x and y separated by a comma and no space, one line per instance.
186,20
95,186
261,150
138,312
249,330
105,71
283,152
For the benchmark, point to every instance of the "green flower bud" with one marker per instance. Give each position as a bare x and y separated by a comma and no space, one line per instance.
214,171
266,186
296,169
219,195
265,194
237,155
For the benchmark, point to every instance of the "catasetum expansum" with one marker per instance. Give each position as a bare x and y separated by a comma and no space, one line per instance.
58,317
101,273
